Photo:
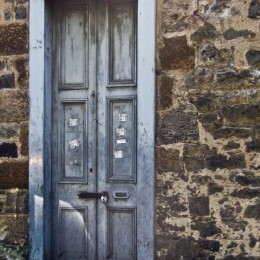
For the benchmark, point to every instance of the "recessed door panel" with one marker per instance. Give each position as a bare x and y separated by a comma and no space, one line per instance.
121,26
74,39
122,139
73,233
73,142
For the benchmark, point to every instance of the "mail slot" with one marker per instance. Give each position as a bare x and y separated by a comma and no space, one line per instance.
121,195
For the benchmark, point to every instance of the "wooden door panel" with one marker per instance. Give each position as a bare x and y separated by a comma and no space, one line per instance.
121,27
73,141
121,139
74,47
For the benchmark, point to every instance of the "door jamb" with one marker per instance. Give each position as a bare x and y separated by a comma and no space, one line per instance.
40,119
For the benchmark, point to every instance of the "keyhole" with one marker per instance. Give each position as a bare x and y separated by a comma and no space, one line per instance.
90,170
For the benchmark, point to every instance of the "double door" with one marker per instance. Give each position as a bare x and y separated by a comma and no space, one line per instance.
97,211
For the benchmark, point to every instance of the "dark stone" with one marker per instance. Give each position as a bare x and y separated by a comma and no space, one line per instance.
221,161
179,26
20,13
24,135
247,180
200,77
165,92
214,188
206,229
199,206
194,156
253,146
253,211
207,32
229,76
246,193
233,34
229,257
231,145
14,106
21,1
15,40
7,81
254,9
7,132
20,65
232,245
175,126
8,150
253,241
227,212
253,57
210,54
209,245
228,131
14,174
175,53
201,179
7,14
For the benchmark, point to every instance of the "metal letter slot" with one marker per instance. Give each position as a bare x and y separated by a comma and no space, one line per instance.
103,196
121,195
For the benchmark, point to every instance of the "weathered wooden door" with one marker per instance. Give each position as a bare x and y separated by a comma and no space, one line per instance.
97,212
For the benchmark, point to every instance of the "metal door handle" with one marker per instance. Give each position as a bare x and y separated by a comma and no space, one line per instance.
103,196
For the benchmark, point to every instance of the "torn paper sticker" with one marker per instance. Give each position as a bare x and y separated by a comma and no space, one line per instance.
118,154
122,117
73,122
74,143
121,141
120,131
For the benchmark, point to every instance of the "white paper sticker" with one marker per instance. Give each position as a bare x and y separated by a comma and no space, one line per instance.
73,122
74,143
118,154
122,117
120,131
121,141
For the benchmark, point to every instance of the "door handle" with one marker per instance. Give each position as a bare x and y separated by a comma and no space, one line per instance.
103,196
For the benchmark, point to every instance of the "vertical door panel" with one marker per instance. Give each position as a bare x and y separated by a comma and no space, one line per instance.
74,39
121,245
122,139
121,26
73,233
73,141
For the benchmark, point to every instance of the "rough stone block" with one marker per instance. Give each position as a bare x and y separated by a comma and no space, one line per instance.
199,206
253,57
20,12
16,202
246,193
221,161
252,211
165,87
174,53
168,160
254,9
21,67
15,40
23,137
231,34
205,33
175,126
14,228
14,106
8,131
14,174
8,150
206,228
7,81
242,115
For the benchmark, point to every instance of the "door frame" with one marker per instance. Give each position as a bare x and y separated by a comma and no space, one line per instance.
40,68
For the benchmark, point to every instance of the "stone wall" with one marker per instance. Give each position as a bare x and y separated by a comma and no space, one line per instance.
208,130
13,129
